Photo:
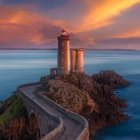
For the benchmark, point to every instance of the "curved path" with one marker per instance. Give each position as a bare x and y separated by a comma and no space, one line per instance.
72,127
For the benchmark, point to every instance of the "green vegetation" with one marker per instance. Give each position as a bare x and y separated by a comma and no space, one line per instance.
12,108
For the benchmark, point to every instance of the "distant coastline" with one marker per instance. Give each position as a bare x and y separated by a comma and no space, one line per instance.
56,49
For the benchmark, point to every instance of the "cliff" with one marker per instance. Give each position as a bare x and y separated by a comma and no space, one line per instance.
91,96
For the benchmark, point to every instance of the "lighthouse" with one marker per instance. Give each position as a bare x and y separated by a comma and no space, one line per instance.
63,62
68,61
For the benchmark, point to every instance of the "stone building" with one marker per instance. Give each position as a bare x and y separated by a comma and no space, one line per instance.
77,61
63,64
67,61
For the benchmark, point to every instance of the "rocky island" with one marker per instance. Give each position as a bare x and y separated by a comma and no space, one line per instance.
90,96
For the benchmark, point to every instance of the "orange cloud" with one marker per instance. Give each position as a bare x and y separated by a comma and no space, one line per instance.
100,13
26,27
19,27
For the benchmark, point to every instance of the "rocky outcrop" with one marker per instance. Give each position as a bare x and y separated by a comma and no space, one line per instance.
91,96
69,96
1,104
14,129
18,129
110,78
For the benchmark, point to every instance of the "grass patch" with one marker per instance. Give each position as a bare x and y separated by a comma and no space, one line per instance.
13,109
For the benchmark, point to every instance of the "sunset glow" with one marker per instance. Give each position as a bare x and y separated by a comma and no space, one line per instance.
30,24
101,14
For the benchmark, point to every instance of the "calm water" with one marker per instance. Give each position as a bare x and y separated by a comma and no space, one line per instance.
18,67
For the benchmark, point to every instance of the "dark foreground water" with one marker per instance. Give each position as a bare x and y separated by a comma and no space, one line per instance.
18,67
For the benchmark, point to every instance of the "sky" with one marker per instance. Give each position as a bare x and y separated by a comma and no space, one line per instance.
100,24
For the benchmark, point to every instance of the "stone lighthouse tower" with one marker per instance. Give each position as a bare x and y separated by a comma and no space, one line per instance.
63,64
77,60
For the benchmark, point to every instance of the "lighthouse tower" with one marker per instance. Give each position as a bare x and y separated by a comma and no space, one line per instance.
63,61
77,60
63,64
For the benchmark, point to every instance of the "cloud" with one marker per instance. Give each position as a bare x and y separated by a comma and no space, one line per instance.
21,26
38,23
124,25
81,41
100,13
87,15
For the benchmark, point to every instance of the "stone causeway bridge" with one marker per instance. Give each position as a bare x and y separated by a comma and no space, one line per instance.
55,122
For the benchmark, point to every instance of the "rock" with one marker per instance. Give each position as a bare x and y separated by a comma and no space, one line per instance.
110,78
14,121
1,104
69,96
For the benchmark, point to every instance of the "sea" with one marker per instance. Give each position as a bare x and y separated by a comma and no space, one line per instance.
24,66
